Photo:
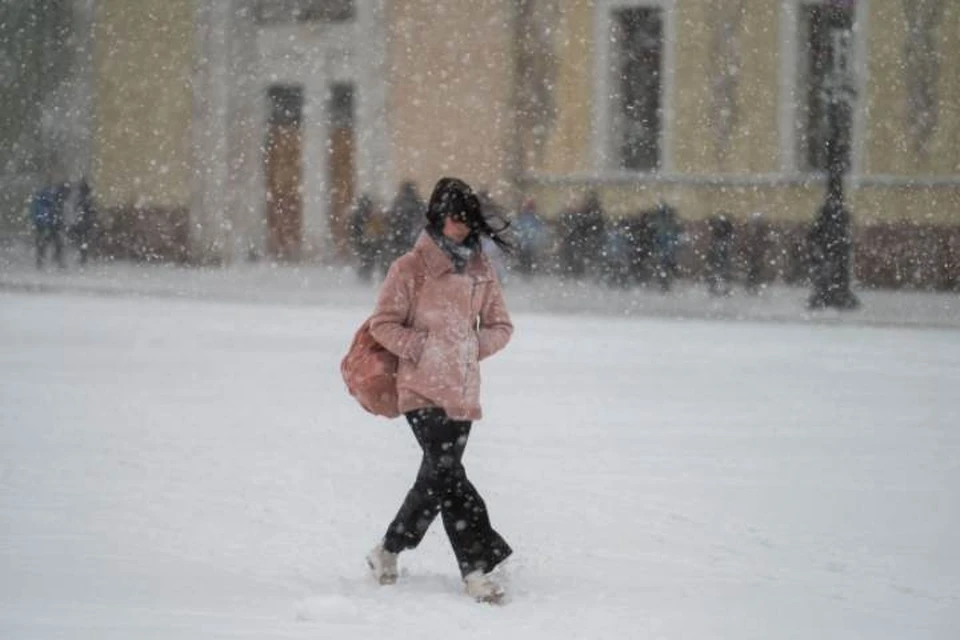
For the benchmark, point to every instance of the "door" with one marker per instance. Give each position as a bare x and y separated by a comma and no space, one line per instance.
284,172
341,165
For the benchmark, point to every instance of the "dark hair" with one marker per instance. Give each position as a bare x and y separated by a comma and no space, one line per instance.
455,199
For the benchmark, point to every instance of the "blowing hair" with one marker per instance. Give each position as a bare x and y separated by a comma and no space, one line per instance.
454,198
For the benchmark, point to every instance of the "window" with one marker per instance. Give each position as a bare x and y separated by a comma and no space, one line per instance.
636,87
815,61
293,11
286,105
341,104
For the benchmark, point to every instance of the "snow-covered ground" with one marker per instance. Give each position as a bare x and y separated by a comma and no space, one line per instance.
185,464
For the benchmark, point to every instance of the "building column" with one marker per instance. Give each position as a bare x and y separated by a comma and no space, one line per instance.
209,225
80,163
375,173
245,130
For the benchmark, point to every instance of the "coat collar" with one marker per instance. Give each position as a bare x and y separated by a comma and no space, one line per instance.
439,263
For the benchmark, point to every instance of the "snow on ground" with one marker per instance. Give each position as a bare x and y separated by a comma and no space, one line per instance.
186,468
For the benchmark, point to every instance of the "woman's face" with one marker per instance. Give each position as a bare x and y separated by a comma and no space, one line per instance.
456,231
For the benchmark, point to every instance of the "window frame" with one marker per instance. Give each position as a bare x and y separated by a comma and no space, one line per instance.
606,157
789,94
302,13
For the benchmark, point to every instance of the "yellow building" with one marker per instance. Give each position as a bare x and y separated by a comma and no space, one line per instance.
225,129
718,106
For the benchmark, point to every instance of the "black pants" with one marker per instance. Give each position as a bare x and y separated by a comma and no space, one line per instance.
442,487
46,236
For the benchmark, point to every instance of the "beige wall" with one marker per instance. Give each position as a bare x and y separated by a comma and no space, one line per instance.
568,148
947,146
691,145
756,142
450,69
143,62
888,150
703,182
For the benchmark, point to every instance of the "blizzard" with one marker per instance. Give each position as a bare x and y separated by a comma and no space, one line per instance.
177,465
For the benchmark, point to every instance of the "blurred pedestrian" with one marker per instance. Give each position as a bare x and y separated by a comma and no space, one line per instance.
758,243
618,253
46,213
584,236
593,234
367,231
85,221
441,311
403,219
719,264
531,237
665,228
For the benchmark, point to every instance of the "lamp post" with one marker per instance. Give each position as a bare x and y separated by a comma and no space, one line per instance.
830,239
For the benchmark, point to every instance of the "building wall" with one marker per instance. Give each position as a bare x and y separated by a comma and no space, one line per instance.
448,94
750,170
143,62
888,145
568,146
449,107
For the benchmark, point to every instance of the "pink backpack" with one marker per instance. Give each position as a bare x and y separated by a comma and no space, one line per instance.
370,370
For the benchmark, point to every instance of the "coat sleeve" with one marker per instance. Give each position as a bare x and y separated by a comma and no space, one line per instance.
495,325
388,322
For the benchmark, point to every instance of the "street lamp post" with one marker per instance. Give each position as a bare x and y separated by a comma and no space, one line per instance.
831,241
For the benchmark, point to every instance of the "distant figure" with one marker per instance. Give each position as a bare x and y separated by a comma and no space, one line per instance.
719,266
641,233
84,223
665,229
758,246
46,212
367,232
618,254
584,234
403,220
531,238
593,233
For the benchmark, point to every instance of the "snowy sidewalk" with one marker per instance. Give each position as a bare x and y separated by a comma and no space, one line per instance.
172,469
338,287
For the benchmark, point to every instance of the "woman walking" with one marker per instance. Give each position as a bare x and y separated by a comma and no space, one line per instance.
441,310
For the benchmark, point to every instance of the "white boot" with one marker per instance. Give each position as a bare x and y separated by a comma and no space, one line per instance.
383,565
482,587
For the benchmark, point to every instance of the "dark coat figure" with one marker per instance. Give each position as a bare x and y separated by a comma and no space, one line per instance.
583,240
531,238
366,236
719,263
758,244
640,231
618,254
46,212
403,223
665,229
592,231
84,225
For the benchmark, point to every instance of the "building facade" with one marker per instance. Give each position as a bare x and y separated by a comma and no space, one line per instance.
222,130
718,106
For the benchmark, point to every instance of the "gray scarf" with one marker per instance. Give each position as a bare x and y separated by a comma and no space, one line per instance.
459,254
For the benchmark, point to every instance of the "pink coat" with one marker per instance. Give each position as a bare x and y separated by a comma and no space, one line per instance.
457,320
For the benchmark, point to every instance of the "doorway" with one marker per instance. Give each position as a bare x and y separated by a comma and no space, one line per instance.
284,172
341,167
